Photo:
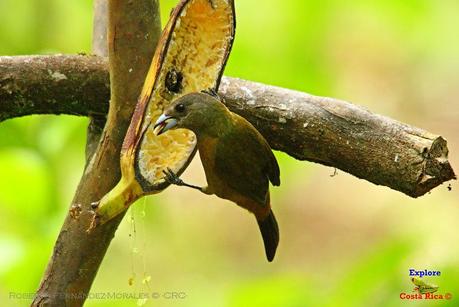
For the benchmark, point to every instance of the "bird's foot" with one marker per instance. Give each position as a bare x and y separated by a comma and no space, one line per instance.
212,92
172,177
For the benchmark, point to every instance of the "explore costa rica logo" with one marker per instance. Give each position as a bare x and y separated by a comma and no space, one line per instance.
423,289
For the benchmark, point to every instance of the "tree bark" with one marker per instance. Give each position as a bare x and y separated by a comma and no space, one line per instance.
339,134
99,47
319,129
53,84
133,31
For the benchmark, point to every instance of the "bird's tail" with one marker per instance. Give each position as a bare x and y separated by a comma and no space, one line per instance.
270,233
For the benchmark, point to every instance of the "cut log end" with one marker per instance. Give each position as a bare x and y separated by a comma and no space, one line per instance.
436,168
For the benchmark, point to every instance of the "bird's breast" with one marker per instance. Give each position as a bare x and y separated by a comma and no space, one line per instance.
217,185
207,147
207,150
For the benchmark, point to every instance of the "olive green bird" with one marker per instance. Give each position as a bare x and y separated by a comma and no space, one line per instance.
237,160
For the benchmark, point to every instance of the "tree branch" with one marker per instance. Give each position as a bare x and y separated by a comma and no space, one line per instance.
323,130
342,135
53,84
133,31
99,47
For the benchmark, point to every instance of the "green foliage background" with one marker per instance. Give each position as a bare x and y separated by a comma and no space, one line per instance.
344,241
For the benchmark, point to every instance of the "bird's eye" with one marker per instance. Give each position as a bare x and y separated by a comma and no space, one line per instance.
180,108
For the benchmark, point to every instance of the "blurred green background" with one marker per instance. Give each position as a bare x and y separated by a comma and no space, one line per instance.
344,241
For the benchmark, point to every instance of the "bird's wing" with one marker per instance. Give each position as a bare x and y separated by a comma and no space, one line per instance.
272,166
245,162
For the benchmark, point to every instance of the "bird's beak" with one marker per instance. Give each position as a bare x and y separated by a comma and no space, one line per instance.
164,123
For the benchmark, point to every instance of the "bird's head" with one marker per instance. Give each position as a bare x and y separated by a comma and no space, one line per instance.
198,112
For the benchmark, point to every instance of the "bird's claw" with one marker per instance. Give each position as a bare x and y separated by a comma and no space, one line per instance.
212,92
172,177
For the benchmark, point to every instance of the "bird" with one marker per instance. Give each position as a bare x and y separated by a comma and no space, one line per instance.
237,160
